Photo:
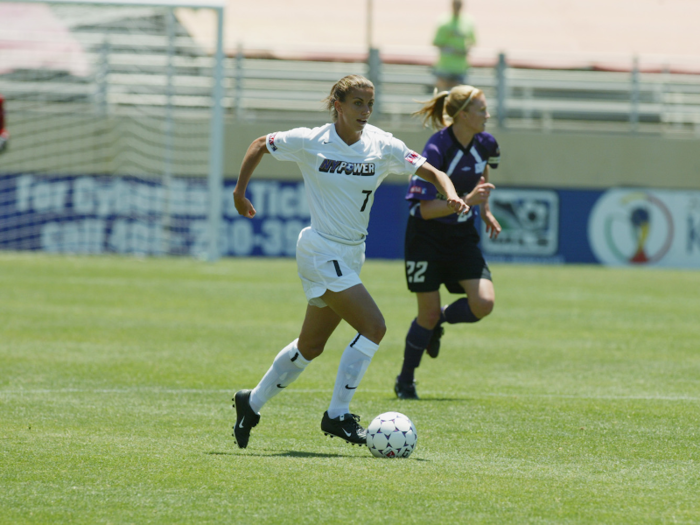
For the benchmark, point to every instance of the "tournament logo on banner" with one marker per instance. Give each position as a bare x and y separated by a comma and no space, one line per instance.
646,227
529,220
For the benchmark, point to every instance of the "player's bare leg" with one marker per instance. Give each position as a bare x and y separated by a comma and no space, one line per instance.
481,296
355,306
319,324
428,309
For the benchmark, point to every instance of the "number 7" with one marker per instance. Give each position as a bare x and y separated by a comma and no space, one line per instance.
364,204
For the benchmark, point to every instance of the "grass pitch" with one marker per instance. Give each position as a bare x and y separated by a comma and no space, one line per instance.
576,401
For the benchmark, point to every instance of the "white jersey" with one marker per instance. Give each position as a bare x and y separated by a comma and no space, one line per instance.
340,180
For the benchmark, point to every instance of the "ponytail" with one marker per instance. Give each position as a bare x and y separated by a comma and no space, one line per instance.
433,111
446,103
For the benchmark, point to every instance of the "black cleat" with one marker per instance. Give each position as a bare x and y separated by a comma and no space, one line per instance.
246,418
346,427
405,390
433,348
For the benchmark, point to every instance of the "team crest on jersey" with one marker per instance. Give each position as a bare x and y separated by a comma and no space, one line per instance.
271,141
417,189
362,169
413,157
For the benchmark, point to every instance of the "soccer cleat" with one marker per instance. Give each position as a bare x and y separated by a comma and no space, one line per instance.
246,418
405,390
345,427
433,348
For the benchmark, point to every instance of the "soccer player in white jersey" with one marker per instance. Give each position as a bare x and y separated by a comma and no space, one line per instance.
342,163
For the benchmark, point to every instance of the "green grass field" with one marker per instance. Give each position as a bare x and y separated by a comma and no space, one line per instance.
577,401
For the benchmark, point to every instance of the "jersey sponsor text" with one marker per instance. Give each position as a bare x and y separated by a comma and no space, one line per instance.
362,169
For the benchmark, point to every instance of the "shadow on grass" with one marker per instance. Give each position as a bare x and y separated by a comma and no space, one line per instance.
445,399
297,454
288,454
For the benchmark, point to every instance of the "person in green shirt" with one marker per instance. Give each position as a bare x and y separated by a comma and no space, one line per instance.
454,36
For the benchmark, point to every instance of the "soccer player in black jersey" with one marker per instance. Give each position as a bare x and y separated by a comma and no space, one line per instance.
441,246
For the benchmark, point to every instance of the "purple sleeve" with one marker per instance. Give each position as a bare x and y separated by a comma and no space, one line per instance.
432,154
494,151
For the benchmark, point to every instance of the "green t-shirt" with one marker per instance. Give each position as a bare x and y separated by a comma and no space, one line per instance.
454,37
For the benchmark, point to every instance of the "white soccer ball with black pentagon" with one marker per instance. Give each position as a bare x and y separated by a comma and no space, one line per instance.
391,435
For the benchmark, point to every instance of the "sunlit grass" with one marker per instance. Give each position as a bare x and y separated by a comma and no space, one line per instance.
576,401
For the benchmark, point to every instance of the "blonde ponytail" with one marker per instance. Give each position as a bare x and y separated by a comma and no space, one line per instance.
439,111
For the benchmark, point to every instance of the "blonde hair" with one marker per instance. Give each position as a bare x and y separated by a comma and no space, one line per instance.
446,103
341,89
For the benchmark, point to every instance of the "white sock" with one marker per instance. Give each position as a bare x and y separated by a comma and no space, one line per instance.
287,366
353,365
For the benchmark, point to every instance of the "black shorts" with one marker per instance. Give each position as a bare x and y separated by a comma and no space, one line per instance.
437,253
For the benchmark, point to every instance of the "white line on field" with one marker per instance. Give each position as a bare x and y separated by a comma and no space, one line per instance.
463,397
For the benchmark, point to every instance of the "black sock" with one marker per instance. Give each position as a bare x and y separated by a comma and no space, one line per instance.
459,312
417,340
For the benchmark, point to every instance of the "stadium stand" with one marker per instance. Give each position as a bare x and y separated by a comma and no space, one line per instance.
127,66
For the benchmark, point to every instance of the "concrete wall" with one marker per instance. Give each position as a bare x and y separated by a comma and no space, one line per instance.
533,159
135,146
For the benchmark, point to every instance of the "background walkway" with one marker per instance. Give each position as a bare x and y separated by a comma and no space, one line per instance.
601,34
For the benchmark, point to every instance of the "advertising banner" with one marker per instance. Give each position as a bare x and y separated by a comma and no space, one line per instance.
530,226
646,227
140,216
86,214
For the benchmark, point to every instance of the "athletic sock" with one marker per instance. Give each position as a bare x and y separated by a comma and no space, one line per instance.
287,366
459,312
353,365
417,340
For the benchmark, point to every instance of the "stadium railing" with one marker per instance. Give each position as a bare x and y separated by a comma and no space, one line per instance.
129,71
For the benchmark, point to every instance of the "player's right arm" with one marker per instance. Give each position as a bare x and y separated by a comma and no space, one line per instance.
251,160
444,185
432,209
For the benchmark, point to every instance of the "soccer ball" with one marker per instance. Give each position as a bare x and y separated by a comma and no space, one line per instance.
391,435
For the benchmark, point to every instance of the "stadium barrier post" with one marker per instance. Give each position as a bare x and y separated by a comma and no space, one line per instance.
215,179
238,78
102,79
374,64
501,90
169,135
634,95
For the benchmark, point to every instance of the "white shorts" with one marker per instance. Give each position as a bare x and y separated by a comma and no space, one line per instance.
323,265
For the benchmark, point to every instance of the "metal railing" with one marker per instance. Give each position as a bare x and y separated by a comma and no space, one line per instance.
141,73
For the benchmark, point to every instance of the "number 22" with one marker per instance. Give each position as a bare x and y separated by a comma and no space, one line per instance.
415,271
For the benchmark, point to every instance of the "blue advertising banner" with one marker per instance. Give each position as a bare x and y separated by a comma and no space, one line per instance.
94,214
540,226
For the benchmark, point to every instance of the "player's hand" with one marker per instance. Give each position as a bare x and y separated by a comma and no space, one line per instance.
457,205
243,206
493,228
480,194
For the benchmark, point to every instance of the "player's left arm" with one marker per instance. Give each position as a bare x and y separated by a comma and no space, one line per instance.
444,185
493,228
252,158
